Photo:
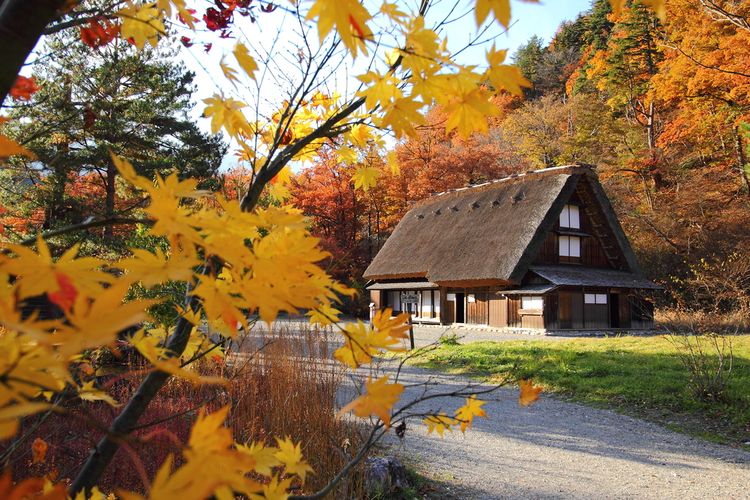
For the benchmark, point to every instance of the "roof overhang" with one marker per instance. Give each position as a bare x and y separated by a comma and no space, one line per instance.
403,285
536,289
593,277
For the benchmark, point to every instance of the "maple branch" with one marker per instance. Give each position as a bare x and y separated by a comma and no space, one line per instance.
694,60
109,221
21,25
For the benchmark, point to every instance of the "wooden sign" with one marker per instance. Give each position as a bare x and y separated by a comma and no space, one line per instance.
409,298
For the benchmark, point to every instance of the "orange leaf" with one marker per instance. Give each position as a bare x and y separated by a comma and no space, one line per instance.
39,450
23,89
528,393
28,488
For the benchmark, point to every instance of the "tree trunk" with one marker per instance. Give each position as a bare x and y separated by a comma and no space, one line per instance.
109,205
742,160
21,25
650,127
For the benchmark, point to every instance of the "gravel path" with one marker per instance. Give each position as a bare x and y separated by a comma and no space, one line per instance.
556,449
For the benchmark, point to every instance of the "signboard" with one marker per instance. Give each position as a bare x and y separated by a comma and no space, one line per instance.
450,296
409,298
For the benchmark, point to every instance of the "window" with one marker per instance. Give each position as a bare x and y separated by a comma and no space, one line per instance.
570,217
595,298
532,302
570,246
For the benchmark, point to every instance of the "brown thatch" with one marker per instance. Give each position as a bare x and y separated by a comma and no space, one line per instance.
485,233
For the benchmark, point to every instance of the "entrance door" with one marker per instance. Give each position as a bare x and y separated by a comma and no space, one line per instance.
614,310
460,308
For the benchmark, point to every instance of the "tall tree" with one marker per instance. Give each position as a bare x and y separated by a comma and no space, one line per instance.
93,101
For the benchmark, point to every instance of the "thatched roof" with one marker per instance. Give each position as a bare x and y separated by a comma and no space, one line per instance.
488,233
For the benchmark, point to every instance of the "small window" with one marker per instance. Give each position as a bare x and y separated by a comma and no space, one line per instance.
570,217
570,246
595,298
532,302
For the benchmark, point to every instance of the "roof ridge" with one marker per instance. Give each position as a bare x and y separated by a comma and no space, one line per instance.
544,172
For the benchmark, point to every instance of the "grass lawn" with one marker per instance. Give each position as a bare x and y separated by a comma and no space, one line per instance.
640,376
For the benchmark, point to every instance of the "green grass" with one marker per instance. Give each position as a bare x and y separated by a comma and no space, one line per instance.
641,376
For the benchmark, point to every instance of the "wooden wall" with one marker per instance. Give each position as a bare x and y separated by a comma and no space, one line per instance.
477,312
376,296
498,314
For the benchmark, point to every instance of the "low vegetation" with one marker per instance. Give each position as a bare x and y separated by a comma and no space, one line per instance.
641,376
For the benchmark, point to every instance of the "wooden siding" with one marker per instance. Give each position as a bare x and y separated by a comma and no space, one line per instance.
592,252
477,312
596,315
498,314
376,298
624,305
551,309
514,316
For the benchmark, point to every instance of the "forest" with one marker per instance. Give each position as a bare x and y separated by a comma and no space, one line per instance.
661,111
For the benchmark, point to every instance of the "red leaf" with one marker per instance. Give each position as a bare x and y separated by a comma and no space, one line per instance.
23,88
99,33
66,295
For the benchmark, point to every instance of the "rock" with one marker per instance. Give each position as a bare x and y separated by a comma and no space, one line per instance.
384,476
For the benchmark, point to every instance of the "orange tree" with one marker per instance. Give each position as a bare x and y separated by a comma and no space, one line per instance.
237,258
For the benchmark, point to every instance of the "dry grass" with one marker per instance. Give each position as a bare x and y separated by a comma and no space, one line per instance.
283,390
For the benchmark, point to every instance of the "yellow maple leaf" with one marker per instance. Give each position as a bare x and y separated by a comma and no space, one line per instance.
402,116
209,434
378,399
227,113
393,163
264,457
439,423
11,415
245,60
324,315
142,23
88,392
504,76
290,456
380,90
349,17
229,72
365,177
468,112
64,279
9,147
96,322
528,394
154,268
466,414
362,343
500,10
275,490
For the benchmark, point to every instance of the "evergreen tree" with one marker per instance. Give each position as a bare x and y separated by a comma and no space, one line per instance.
114,98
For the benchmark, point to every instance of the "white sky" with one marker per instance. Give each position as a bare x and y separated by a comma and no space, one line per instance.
528,19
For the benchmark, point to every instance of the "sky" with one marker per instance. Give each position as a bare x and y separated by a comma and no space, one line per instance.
528,19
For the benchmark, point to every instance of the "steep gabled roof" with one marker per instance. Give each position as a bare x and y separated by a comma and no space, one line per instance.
486,233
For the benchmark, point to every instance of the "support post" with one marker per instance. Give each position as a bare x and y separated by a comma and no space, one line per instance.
411,333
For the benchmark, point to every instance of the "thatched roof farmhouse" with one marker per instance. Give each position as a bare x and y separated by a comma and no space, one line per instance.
541,250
